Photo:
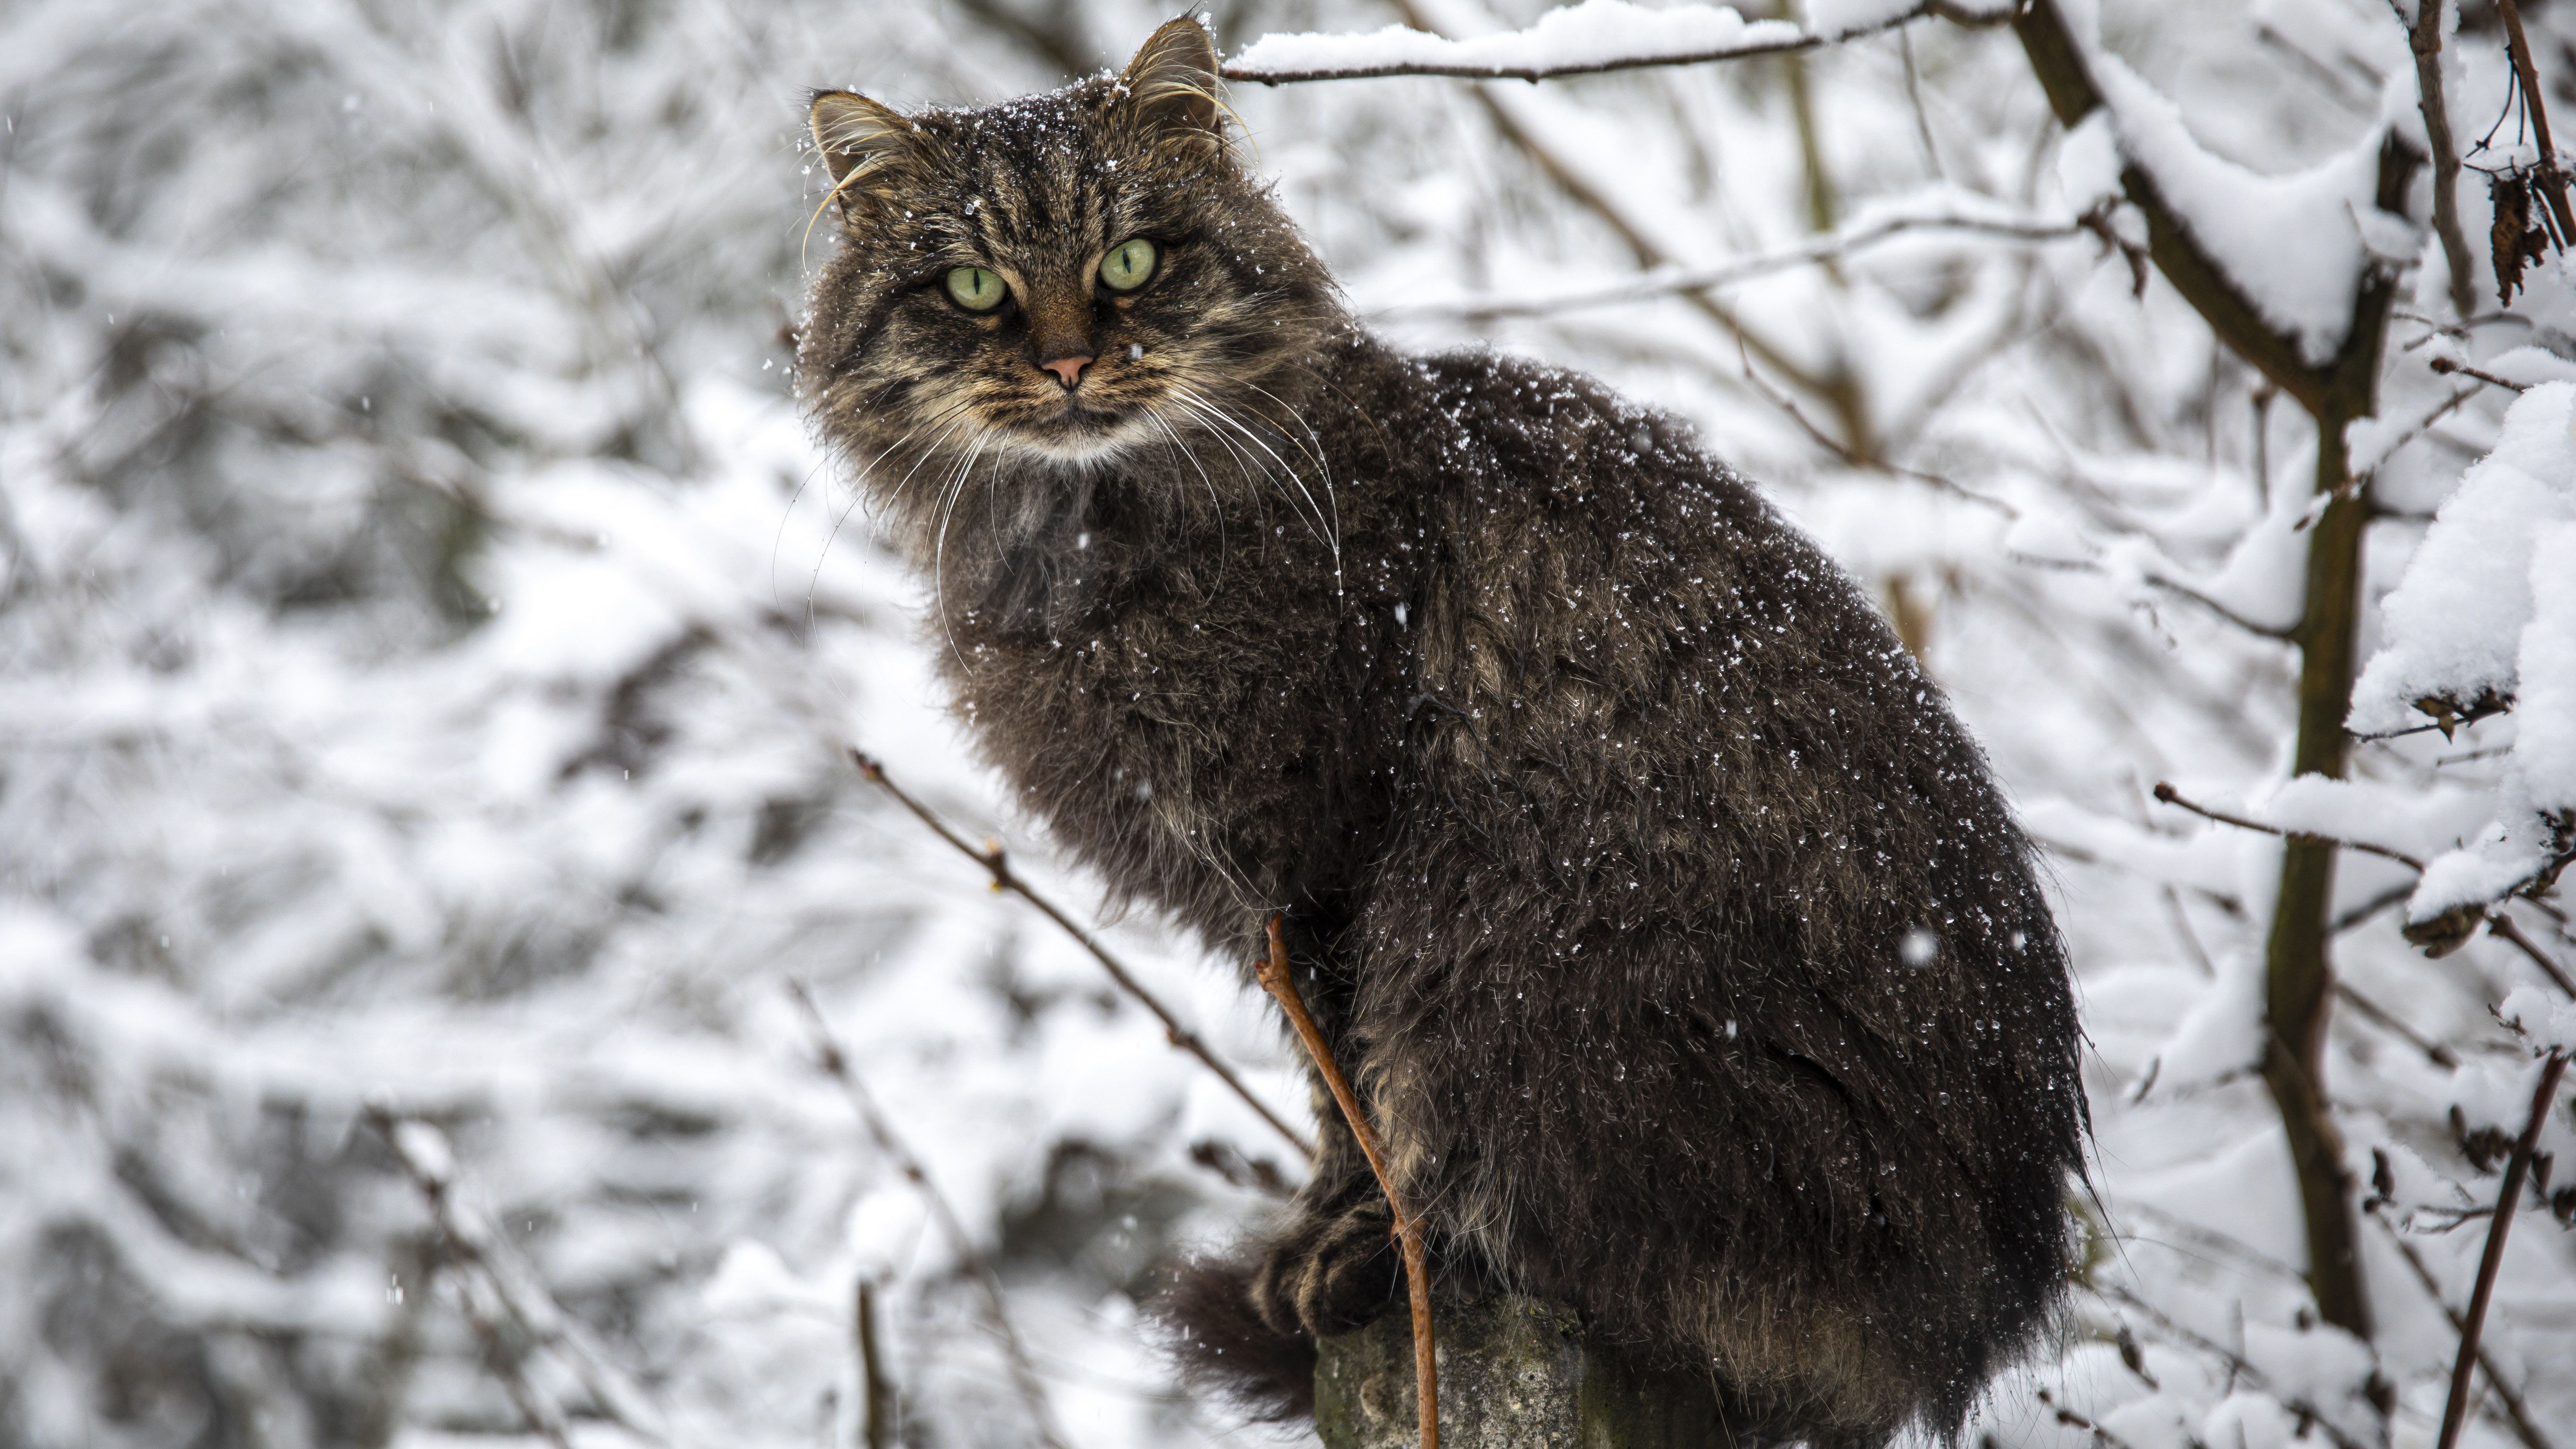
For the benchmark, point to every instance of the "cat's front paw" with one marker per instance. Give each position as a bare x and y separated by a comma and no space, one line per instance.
1331,1272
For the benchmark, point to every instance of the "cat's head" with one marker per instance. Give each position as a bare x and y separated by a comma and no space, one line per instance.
1065,281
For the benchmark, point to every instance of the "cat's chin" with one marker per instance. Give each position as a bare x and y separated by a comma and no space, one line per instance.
1097,437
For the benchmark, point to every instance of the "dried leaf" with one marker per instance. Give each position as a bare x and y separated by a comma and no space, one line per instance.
2515,241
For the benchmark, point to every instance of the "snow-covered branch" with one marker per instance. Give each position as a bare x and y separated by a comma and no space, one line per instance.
1587,39
1946,214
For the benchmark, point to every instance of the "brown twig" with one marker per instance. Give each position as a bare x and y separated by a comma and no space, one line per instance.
2239,1367
2500,924
2447,366
2434,1052
2553,182
2507,1199
2186,592
2169,795
2355,481
2352,916
2516,1413
2074,1420
1272,972
877,1427
470,1242
2425,39
1853,458
836,1065
993,860
543,1414
1536,143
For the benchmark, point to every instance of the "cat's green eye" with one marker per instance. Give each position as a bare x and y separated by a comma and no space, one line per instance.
975,288
1129,265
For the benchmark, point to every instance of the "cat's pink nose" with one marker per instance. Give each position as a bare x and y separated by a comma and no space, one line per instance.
1068,369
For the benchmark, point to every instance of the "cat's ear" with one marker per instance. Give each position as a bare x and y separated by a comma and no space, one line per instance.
862,142
1173,83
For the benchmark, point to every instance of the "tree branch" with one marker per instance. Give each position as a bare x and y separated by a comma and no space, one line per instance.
1458,59
2237,1364
991,857
2507,1199
1813,251
876,1428
2434,1052
1854,458
2553,182
2447,366
1272,972
2517,1415
428,1160
997,1312
2074,1420
2500,924
1838,393
2425,39
2058,60
2170,796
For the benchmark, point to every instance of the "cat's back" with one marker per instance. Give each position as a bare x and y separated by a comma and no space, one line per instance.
1592,545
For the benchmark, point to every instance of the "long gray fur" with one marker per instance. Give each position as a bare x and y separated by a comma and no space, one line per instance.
1675,932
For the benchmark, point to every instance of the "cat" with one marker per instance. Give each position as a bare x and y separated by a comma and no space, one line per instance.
1676,934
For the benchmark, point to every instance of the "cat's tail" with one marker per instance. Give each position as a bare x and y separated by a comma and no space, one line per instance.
1224,1346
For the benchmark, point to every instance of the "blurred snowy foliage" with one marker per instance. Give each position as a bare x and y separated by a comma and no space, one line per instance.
429,647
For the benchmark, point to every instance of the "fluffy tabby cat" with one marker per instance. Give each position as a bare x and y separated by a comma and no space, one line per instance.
1670,924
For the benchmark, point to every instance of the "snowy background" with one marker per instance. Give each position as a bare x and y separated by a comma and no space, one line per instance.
429,647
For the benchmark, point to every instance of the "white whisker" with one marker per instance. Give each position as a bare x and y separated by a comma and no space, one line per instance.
1327,532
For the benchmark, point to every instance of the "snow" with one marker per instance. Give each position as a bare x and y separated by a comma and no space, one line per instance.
2544,1019
2088,162
2455,621
2223,1034
2486,610
2544,748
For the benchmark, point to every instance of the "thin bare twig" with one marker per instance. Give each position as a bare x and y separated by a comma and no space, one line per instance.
1673,282
2425,39
993,860
2507,1199
543,1414
2516,1414
2186,592
997,1311
2357,479
2074,1420
2354,915
2447,366
1535,143
877,1427
2238,1365
1272,972
2434,1052
1851,457
2169,795
2500,924
469,1241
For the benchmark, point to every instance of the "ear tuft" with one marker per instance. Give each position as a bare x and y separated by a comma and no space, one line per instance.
860,140
1173,81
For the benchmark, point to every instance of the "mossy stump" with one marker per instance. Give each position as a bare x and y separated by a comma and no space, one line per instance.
1513,1372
